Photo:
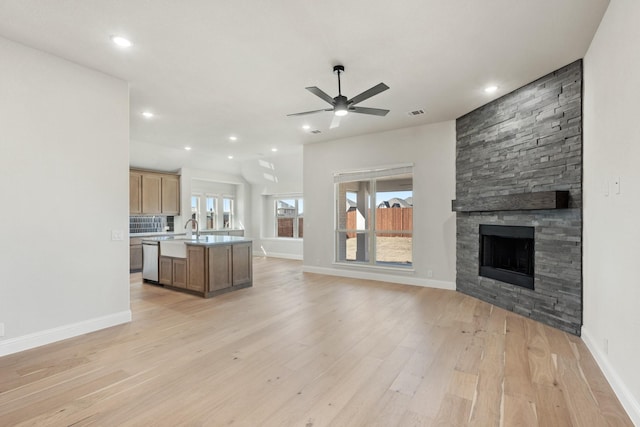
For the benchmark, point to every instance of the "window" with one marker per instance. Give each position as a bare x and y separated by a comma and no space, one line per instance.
212,216
205,208
195,209
289,217
227,212
374,218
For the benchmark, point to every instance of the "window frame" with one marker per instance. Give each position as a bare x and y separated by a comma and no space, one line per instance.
297,216
370,231
230,224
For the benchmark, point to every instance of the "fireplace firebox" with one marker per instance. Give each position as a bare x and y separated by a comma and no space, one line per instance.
507,254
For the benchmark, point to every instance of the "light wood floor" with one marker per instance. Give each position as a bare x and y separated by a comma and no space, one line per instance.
310,350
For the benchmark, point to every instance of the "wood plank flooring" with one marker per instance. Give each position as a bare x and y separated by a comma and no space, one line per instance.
308,350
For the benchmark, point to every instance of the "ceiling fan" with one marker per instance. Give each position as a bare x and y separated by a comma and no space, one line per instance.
341,106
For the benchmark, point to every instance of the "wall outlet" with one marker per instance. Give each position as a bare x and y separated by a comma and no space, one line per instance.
117,235
605,346
1,329
429,273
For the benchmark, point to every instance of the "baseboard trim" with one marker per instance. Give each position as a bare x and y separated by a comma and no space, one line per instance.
628,401
278,255
48,336
367,275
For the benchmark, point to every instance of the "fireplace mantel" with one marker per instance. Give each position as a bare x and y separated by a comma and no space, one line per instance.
514,202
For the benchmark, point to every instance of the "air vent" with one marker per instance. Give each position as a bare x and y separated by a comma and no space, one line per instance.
315,131
416,112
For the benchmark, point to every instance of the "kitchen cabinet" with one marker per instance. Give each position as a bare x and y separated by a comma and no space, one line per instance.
135,254
173,272
153,193
170,195
165,270
179,275
220,268
241,263
197,268
135,193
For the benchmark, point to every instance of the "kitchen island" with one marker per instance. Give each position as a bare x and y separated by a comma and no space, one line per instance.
205,266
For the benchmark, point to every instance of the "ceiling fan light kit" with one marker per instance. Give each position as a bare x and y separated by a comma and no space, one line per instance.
343,106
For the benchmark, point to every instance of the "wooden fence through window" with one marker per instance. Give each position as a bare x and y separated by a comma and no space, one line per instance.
285,227
396,219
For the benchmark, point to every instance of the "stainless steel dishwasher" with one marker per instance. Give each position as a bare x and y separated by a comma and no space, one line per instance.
150,254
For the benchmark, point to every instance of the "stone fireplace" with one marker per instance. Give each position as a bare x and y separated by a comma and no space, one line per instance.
519,200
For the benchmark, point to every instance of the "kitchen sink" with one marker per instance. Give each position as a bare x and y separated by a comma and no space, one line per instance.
173,248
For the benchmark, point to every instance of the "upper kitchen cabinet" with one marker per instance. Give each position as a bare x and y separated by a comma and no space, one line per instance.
153,193
170,194
135,193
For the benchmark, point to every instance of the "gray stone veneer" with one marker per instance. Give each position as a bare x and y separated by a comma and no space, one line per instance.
529,140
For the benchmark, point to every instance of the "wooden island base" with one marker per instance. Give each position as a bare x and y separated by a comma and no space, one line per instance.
209,270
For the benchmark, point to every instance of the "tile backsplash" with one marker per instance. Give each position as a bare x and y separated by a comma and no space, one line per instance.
150,224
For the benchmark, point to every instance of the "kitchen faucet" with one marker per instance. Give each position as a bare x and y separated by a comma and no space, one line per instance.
195,221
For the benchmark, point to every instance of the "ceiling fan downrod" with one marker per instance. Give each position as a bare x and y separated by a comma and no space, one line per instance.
338,69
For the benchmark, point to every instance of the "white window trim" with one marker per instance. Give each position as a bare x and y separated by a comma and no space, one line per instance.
371,174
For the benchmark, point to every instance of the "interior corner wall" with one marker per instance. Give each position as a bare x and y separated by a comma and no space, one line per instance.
273,176
611,233
431,149
64,185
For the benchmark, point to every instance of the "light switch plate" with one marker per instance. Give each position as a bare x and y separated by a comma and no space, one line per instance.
616,185
117,235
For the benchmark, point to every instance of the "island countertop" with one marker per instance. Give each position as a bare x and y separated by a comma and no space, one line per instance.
200,241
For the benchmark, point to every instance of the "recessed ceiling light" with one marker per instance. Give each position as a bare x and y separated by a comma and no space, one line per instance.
274,149
121,41
233,138
229,157
491,89
306,127
147,114
187,148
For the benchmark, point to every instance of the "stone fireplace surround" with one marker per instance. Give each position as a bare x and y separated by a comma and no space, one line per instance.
524,144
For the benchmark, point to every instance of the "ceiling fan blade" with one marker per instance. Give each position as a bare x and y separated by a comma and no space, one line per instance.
319,93
380,87
335,122
309,112
365,110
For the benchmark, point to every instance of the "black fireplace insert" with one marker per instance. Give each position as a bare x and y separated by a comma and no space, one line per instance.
507,254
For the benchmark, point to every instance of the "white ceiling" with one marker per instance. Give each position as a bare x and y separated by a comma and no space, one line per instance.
210,69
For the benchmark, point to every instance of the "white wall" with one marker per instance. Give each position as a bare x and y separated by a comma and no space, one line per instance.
431,149
64,135
273,176
611,228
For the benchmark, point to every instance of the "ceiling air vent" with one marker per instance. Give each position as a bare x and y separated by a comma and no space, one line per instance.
315,131
416,112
